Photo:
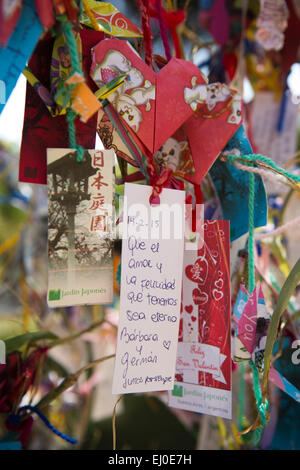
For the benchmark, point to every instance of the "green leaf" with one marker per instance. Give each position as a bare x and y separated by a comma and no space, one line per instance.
17,342
281,305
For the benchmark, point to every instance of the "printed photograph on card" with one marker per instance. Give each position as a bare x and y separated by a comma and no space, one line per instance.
203,366
80,227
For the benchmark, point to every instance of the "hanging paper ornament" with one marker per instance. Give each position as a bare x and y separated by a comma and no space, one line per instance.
271,24
110,20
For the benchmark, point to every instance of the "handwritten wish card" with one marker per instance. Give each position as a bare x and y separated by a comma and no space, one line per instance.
203,366
151,278
80,227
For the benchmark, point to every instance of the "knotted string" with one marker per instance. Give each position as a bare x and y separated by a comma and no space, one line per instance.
163,30
262,407
241,407
251,265
158,182
15,419
71,115
144,9
257,158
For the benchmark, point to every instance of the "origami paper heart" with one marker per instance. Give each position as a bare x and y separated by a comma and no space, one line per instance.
199,297
204,149
146,101
172,108
135,99
155,106
198,271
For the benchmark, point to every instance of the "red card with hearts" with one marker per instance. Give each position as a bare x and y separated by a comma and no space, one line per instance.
41,130
203,370
156,106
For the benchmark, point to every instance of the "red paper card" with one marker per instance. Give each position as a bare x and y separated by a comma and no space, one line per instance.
41,131
203,366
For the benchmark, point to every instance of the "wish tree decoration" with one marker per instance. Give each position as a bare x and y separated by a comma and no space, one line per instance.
271,23
69,187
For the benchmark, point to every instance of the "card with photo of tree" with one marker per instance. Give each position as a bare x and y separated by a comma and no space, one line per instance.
80,227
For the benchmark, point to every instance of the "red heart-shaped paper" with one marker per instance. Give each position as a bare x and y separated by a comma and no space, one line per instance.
155,106
172,111
193,318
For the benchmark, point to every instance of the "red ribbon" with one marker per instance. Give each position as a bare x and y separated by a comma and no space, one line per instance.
164,180
172,20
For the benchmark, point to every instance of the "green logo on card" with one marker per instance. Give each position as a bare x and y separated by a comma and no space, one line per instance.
177,391
54,294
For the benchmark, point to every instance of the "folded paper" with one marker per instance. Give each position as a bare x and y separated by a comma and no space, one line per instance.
232,187
110,20
155,106
41,130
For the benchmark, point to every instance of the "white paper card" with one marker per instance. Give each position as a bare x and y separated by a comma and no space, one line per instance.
151,278
80,227
200,399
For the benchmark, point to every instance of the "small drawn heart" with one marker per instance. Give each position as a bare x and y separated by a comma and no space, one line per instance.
219,284
193,318
188,308
199,298
217,294
167,344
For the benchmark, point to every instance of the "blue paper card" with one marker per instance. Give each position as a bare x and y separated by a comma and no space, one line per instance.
232,187
20,46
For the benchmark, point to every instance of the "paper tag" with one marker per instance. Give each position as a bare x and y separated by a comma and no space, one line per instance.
248,321
203,368
80,227
281,382
84,101
268,140
152,257
40,130
252,319
240,351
